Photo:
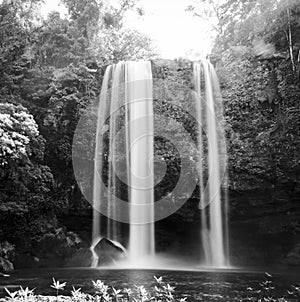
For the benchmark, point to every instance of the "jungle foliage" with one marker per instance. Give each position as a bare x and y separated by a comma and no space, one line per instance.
50,70
257,54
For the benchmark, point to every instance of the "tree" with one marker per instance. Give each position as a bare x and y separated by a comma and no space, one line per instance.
242,23
18,129
57,70
256,58
25,183
16,22
124,44
212,11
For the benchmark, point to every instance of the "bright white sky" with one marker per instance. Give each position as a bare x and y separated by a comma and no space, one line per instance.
176,32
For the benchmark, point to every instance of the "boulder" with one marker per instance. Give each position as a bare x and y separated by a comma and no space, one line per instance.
109,252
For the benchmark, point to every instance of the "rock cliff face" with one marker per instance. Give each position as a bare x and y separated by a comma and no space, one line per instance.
264,214
264,209
264,228
261,231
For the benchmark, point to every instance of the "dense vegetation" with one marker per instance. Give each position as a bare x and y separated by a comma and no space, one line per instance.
52,69
257,53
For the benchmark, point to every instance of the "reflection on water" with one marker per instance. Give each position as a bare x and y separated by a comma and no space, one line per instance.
196,285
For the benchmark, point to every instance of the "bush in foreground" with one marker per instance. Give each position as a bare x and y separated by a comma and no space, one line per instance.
161,292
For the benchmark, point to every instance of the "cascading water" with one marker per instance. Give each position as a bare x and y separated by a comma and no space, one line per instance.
213,226
138,79
98,165
129,85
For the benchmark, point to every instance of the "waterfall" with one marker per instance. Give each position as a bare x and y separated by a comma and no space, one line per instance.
213,223
98,165
126,102
127,84
140,105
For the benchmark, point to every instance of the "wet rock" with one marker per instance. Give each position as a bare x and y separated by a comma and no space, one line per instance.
109,252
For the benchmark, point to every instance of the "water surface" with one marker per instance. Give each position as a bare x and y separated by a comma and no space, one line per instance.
196,285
